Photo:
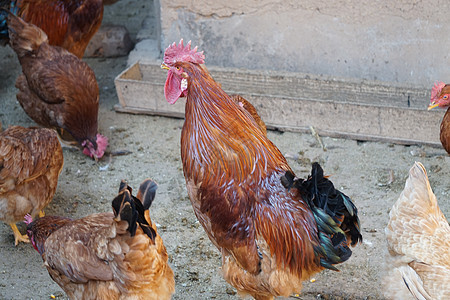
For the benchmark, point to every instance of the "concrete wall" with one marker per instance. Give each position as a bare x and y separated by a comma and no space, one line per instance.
406,41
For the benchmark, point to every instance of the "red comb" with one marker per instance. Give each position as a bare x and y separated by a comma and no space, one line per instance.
436,90
28,219
179,52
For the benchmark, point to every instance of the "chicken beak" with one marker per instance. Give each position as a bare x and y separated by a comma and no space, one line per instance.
433,105
164,66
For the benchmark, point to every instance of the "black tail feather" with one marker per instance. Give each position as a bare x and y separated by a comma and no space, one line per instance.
123,185
4,35
332,256
325,221
288,180
6,7
131,208
124,207
322,194
147,192
335,214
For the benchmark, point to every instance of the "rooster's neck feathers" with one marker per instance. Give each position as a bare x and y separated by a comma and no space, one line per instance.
220,137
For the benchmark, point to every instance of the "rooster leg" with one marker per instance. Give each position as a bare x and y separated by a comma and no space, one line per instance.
18,237
41,213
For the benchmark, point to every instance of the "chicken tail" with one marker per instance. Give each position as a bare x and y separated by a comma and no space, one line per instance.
4,36
335,214
24,38
147,192
132,209
416,194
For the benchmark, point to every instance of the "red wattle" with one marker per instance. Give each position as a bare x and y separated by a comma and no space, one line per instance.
172,88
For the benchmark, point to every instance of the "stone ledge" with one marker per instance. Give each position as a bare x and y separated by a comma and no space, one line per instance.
349,108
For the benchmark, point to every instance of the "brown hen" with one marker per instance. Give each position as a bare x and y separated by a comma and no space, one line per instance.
440,97
115,255
57,89
69,24
31,160
273,230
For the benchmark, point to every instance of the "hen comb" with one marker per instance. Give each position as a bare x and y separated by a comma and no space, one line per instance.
175,53
28,219
436,90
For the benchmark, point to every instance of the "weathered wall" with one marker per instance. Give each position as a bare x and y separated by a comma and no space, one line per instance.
401,41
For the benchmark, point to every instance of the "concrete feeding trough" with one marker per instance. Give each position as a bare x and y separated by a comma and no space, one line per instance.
356,109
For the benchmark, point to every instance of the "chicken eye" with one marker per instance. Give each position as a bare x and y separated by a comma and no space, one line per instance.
178,68
445,97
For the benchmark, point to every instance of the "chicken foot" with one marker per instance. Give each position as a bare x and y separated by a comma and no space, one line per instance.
18,237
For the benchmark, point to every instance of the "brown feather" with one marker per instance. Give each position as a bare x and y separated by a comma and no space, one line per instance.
68,23
233,176
56,89
242,102
445,131
31,160
445,124
96,257
24,38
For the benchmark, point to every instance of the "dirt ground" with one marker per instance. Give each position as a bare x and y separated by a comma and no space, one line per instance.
372,174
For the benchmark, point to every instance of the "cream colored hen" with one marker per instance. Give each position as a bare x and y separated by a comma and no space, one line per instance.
418,237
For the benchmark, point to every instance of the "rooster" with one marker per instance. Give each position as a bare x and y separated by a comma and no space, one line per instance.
69,24
418,237
273,229
57,89
440,97
31,160
113,255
